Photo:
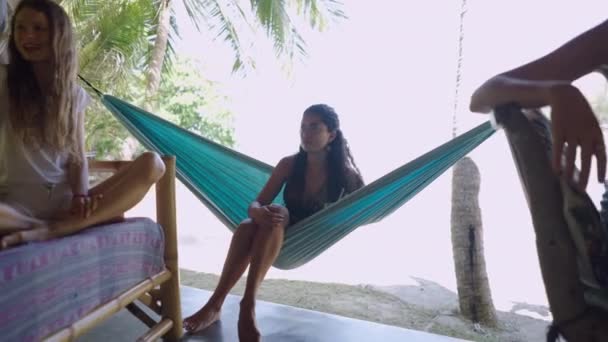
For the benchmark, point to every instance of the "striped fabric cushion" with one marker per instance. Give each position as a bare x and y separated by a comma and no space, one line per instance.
47,286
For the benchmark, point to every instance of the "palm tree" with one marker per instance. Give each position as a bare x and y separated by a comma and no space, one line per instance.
474,296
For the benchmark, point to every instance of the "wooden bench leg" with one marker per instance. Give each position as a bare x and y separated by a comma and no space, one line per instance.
166,217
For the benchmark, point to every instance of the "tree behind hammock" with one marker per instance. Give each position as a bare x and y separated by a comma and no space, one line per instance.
474,295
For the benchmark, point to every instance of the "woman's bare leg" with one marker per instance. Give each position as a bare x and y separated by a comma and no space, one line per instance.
235,265
122,194
265,250
116,178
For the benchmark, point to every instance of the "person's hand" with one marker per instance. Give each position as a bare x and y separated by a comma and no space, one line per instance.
574,127
84,205
268,215
277,216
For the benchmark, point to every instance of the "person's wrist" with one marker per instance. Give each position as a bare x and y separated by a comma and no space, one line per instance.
558,91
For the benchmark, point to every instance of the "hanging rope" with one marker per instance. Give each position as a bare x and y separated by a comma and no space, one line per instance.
463,11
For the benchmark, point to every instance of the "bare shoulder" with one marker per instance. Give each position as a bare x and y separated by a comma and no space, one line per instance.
285,165
287,161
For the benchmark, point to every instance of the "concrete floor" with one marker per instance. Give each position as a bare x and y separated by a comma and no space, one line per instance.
278,323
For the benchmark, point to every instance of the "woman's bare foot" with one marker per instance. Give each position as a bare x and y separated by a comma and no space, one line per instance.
248,331
13,225
40,232
202,319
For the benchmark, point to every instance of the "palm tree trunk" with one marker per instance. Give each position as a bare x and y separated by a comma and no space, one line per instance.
153,73
474,293
158,54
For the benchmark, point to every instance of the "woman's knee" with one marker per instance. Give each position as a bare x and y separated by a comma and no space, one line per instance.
152,165
247,227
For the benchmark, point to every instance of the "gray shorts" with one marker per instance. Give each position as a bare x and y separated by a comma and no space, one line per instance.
45,202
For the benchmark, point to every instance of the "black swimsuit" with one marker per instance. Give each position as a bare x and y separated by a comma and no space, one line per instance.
301,208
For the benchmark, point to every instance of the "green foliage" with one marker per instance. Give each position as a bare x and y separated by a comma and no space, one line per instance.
194,103
104,134
112,43
185,98
115,39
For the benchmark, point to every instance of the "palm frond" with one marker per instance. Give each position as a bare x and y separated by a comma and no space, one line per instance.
220,19
274,17
81,8
196,11
114,41
320,12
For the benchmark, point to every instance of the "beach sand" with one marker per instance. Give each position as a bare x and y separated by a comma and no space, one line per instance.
425,306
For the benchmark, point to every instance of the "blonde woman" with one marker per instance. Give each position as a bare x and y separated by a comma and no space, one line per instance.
44,189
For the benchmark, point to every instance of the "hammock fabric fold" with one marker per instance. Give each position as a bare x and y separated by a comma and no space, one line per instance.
227,181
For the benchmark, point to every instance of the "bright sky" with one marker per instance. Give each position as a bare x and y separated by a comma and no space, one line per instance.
389,70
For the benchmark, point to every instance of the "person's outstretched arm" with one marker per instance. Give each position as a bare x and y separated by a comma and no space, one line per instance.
547,81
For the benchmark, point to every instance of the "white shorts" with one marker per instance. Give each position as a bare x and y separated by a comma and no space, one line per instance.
37,200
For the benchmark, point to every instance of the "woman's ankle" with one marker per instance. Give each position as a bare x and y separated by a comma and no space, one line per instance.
215,303
247,303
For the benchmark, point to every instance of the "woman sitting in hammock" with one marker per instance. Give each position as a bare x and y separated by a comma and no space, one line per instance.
321,172
44,190
547,81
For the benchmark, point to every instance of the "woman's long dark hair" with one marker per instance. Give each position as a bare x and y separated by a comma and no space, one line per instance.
340,162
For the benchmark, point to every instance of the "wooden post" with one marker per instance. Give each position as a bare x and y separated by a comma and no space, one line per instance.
556,251
166,217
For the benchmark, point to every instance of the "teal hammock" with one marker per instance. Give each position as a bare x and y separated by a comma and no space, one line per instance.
227,181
